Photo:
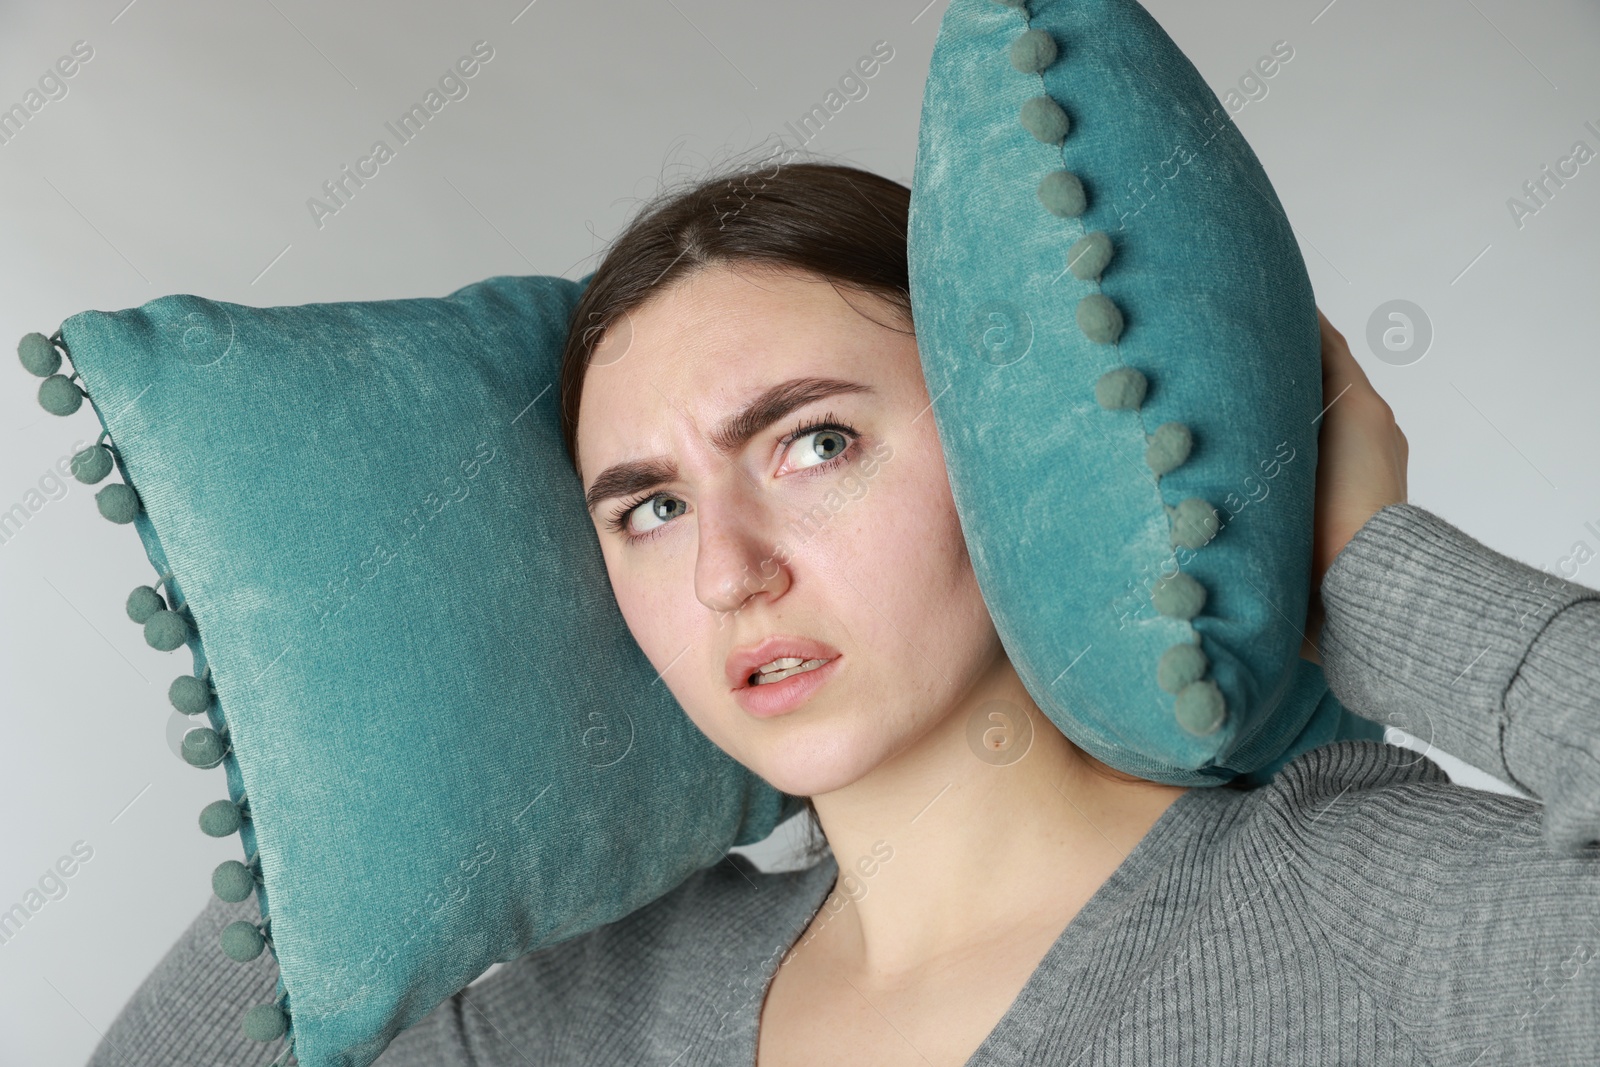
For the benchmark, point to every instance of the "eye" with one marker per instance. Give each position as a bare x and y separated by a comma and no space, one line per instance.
826,439
647,509
825,443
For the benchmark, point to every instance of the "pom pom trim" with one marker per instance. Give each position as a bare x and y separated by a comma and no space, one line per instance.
1198,705
169,625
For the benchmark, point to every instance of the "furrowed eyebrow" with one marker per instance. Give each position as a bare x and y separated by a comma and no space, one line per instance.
635,476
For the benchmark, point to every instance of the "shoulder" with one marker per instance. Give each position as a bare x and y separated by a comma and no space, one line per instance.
1405,872
1340,795
698,951
1383,816
1445,904
714,919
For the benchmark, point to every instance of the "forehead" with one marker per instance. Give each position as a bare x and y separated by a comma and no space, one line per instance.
698,350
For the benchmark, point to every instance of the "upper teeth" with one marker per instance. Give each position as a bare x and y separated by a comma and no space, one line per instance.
784,667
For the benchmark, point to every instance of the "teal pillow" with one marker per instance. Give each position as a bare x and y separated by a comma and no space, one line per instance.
1121,341
446,746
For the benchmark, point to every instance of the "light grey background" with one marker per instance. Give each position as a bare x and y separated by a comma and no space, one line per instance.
184,152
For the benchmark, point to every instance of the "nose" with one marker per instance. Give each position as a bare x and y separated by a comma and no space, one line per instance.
738,556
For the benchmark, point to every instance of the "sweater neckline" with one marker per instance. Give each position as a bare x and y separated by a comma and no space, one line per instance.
1193,812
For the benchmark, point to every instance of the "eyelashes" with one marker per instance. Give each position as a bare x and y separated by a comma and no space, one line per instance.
618,521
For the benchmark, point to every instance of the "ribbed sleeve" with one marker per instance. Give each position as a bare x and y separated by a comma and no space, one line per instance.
1489,659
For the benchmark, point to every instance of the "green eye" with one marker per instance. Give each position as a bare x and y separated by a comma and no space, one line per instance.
837,435
649,507
833,445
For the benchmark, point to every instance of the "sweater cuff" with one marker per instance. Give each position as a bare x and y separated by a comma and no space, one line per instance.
1425,628
1553,736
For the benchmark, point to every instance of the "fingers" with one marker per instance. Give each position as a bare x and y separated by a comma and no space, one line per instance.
1404,451
1340,370
1342,376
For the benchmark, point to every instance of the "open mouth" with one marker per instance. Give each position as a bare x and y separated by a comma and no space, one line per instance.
787,667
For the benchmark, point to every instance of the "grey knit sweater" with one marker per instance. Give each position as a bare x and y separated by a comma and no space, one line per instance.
1358,909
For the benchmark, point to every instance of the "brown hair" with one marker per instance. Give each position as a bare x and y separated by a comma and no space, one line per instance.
841,224
844,225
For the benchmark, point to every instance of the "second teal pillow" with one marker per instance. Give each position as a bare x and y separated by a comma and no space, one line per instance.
1121,342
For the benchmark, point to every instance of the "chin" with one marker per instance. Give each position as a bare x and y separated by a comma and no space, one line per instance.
809,763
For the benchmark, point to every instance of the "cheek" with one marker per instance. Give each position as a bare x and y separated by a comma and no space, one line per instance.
919,530
636,599
925,551
902,552
648,615
667,622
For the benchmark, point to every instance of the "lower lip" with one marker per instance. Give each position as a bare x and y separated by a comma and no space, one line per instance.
775,698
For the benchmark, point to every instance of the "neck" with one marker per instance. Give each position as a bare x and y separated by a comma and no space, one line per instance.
953,842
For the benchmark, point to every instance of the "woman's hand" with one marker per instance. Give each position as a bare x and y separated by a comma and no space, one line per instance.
1361,466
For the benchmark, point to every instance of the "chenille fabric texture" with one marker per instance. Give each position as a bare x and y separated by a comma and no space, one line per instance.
1358,908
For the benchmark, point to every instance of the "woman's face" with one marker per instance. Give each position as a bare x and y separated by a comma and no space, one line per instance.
738,530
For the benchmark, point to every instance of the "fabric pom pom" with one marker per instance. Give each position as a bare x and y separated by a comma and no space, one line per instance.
1062,194
118,502
1099,319
1033,51
220,818
1194,523
165,630
1169,447
1200,708
92,464
144,602
202,748
1180,665
242,941
232,881
1089,255
189,694
1043,117
1178,596
39,357
264,1022
60,395
1122,387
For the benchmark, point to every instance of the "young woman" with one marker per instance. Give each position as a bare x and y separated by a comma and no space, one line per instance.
740,356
